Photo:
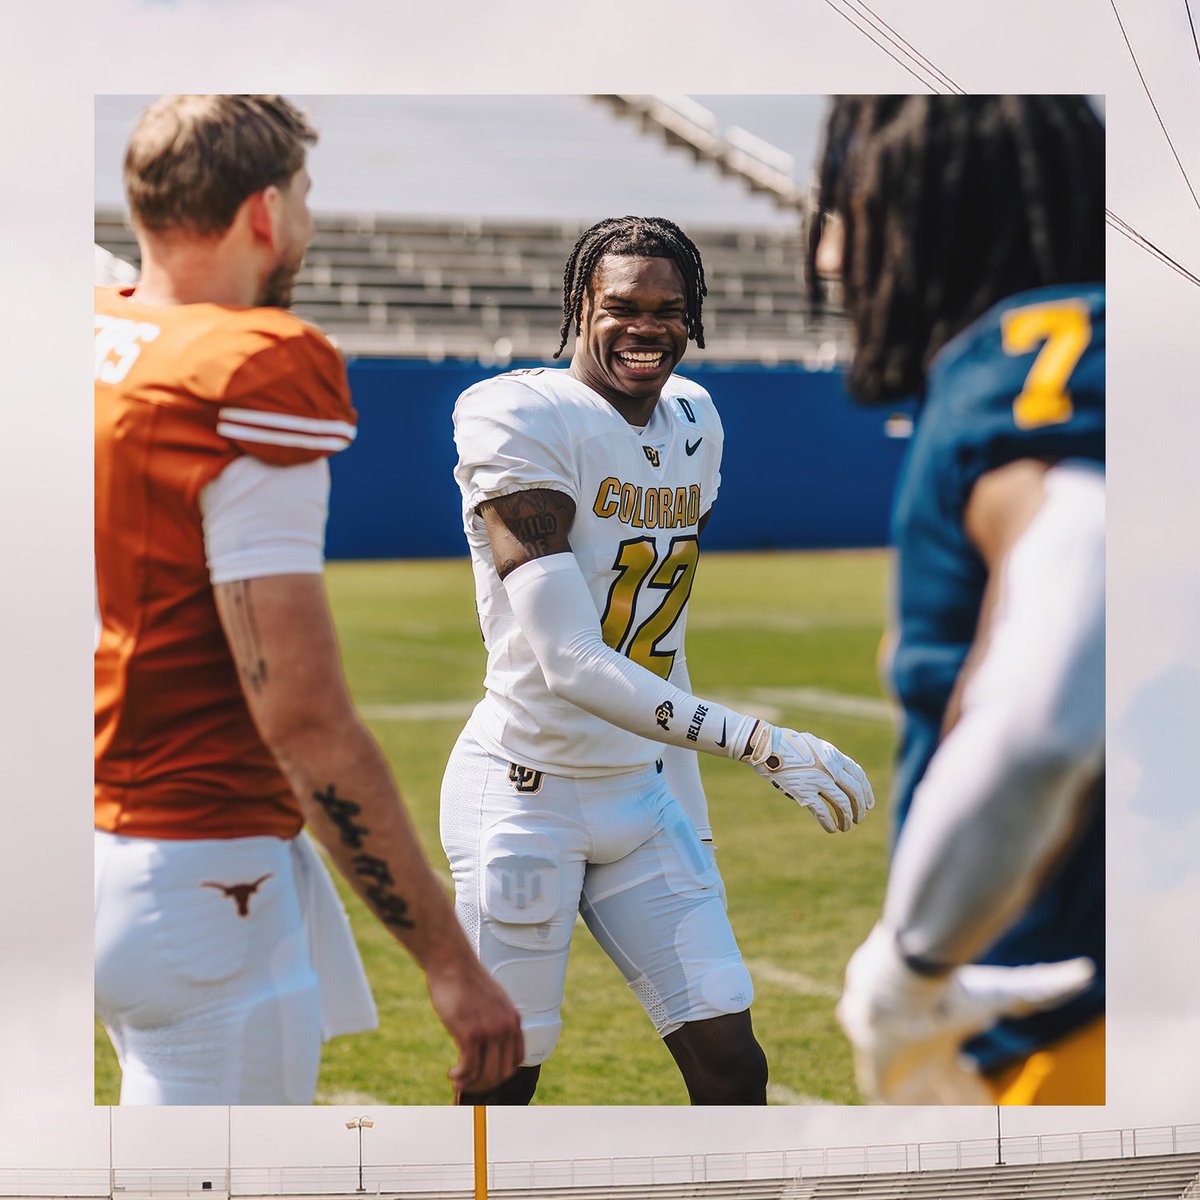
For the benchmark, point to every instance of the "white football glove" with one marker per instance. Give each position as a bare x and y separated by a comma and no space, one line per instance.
815,774
907,1030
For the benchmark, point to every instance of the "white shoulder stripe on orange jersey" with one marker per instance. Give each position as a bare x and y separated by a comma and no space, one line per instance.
305,441
278,420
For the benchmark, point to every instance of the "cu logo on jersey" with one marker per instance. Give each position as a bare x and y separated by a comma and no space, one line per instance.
525,779
663,711
652,456
521,879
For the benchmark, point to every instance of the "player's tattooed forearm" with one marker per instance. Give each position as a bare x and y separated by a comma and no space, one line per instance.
389,907
243,631
342,813
378,884
536,518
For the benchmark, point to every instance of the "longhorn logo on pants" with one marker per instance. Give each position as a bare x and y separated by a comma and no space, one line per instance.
240,893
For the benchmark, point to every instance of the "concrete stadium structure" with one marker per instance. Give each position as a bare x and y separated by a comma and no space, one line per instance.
445,221
1160,1163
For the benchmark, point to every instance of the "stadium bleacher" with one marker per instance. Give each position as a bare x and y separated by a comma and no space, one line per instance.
1158,1177
492,290
514,181
1153,1177
1159,1163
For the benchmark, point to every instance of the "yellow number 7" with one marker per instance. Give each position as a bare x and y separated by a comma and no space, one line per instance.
1065,329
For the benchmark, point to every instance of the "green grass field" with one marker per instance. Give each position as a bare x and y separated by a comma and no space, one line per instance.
791,637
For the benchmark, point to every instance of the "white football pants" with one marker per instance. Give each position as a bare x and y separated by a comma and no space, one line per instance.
530,850
203,974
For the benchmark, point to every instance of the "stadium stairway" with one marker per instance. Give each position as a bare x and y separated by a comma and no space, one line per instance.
682,122
1157,1177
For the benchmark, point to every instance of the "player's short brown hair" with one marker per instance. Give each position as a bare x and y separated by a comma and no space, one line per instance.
193,160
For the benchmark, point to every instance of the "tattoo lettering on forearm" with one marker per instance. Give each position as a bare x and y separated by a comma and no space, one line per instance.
390,908
247,649
367,866
342,813
535,518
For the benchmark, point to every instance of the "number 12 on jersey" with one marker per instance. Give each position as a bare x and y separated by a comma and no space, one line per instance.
638,567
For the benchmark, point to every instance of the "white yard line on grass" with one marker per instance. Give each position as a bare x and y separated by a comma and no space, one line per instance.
415,647
767,972
780,622
873,708
436,710
767,702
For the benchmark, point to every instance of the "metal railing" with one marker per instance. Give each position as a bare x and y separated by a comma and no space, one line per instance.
399,1179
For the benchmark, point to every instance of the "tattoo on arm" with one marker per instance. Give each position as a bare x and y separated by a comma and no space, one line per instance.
536,519
378,884
342,813
243,633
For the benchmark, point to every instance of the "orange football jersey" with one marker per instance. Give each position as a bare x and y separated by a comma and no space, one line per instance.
181,391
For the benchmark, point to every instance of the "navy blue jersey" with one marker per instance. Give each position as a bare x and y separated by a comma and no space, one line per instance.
1026,380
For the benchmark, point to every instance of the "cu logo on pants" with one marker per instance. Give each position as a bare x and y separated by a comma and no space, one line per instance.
525,779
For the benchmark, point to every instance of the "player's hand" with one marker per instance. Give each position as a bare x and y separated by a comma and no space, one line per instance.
481,1019
815,774
908,1030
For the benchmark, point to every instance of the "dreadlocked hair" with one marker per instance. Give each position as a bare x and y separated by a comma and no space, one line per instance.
633,237
949,204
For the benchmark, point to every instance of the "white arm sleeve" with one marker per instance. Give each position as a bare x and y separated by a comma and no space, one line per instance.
265,520
681,769
551,602
1003,792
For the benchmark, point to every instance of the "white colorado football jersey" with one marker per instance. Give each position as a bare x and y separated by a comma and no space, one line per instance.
638,500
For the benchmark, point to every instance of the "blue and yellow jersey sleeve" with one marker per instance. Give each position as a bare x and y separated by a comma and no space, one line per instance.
1025,381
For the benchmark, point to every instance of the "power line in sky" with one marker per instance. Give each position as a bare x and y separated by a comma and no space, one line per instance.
904,46
851,15
917,62
1126,230
1146,89
1192,25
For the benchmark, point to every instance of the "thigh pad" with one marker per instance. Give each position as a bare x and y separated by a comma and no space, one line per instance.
525,903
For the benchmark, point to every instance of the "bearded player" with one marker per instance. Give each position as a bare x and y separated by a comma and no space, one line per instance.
575,786
222,717
969,235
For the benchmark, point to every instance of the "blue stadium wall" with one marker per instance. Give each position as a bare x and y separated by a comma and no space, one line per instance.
803,469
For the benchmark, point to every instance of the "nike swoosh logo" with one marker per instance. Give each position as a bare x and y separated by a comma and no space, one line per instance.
721,743
690,448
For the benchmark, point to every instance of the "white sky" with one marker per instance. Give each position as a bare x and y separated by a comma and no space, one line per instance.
543,157
56,55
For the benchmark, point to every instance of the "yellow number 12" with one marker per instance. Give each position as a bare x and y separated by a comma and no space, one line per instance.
636,561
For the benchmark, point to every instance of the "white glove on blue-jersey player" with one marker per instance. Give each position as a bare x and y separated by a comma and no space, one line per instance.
908,1030
817,775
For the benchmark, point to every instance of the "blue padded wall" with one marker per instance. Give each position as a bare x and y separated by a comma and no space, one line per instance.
803,466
